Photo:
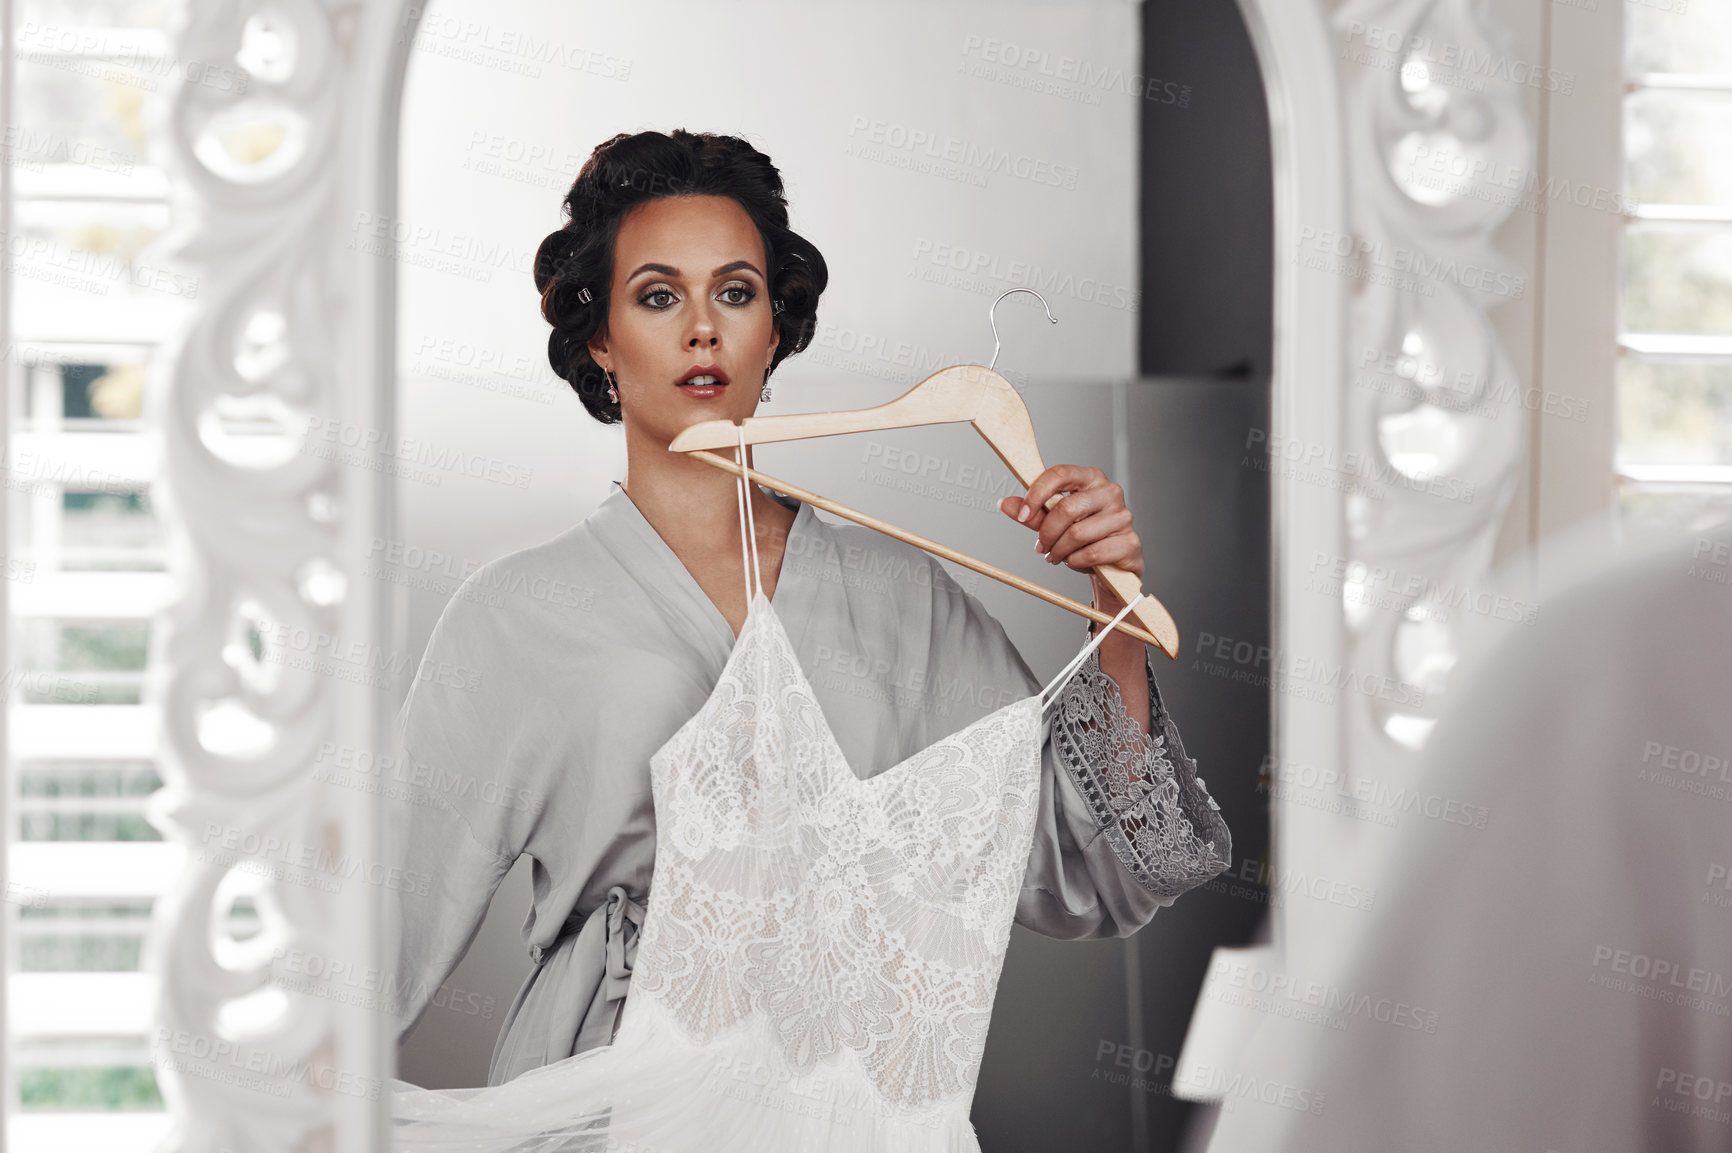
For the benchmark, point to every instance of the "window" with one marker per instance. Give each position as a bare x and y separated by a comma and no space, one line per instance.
86,562
1674,451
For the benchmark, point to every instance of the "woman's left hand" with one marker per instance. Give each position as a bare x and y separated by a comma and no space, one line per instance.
1092,527
1089,527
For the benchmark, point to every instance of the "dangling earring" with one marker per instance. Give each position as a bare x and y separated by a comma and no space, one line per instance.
776,309
612,393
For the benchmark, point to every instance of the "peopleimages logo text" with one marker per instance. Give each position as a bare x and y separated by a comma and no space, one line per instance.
983,159
1464,59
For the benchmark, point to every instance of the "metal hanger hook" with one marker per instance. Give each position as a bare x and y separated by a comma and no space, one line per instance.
992,318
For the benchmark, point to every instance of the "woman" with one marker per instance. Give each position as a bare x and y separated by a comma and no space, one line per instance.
674,290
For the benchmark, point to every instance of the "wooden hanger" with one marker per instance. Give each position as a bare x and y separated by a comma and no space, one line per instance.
964,392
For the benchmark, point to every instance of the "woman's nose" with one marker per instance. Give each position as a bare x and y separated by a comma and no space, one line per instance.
702,333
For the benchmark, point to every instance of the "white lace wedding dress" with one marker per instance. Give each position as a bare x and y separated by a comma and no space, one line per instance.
819,959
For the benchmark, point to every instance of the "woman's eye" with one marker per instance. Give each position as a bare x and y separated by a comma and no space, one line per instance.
737,294
654,299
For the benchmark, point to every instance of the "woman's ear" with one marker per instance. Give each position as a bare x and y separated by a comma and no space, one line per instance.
597,346
775,340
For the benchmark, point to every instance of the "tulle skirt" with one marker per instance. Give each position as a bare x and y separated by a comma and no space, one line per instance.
654,1091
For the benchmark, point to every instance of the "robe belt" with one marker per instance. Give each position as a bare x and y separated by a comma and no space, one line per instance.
617,947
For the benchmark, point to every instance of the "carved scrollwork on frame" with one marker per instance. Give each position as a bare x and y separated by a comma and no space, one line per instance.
249,1048
1402,419
1438,157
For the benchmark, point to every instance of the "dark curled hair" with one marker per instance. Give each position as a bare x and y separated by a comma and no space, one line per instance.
577,260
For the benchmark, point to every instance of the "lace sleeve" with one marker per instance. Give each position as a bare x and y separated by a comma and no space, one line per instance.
1142,792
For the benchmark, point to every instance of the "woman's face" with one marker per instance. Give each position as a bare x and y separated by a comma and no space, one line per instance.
690,296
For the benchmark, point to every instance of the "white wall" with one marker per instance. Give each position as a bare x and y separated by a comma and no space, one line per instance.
798,80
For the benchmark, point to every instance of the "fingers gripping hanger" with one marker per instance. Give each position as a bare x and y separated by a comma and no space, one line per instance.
963,392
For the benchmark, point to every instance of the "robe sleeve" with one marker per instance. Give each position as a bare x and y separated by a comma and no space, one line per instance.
1125,825
456,823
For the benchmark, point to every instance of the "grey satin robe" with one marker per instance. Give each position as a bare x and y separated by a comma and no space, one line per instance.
557,671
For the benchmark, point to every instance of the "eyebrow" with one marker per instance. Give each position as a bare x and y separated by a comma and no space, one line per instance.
670,270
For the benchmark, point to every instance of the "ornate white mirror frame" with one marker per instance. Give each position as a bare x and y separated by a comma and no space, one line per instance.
1356,482
298,310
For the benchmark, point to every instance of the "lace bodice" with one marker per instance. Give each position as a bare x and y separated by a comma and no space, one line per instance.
869,915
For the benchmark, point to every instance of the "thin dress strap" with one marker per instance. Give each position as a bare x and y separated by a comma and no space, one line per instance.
1076,662
748,526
